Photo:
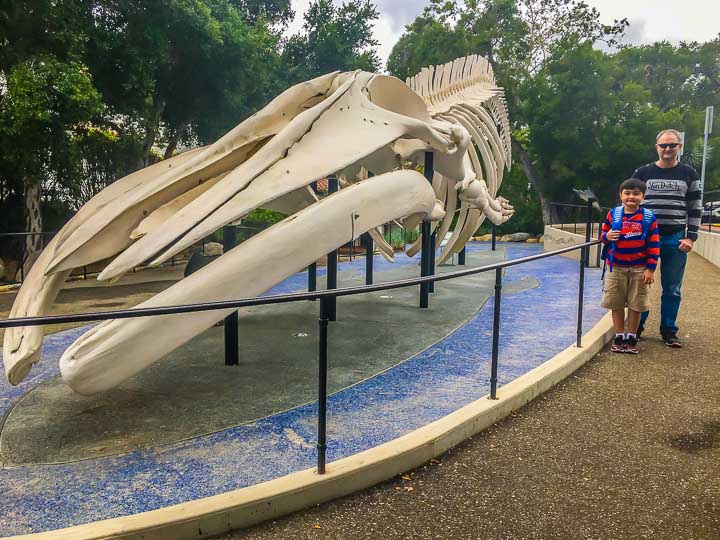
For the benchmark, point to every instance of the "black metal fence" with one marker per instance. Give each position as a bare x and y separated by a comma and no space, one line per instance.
573,218
327,314
711,211
12,248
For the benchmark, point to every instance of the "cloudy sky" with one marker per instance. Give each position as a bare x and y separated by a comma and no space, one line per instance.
650,20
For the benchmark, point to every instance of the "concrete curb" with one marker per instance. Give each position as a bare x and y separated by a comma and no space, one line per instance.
251,505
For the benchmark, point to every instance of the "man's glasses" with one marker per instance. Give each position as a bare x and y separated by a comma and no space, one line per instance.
669,145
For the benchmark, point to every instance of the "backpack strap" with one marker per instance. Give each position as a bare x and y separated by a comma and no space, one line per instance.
647,220
617,218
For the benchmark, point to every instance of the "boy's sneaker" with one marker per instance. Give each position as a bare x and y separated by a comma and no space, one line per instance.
671,340
631,345
618,344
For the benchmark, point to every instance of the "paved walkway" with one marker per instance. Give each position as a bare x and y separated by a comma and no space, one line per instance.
628,447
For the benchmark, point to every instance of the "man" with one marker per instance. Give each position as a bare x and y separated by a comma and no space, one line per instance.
673,194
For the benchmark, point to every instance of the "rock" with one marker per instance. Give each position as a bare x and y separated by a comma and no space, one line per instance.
213,249
532,240
515,237
11,268
483,238
2,270
541,239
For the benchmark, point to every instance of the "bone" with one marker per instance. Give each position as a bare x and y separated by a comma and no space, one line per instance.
268,174
115,350
336,123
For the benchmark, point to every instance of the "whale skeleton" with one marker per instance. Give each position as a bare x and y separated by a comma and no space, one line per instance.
343,124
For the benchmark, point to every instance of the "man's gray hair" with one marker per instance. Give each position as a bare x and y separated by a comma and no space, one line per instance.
675,132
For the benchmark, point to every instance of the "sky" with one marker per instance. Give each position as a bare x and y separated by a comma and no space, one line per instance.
650,20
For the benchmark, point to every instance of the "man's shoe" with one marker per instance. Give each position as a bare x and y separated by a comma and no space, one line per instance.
631,345
671,340
618,344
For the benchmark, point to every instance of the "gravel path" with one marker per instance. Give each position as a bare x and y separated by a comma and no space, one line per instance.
628,447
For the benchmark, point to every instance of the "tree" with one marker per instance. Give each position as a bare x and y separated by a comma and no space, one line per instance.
334,38
520,39
178,67
46,93
45,101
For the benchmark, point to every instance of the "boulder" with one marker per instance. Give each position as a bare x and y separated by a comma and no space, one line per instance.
541,238
483,238
515,237
212,249
532,240
11,268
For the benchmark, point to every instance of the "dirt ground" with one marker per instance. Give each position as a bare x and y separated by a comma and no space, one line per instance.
628,447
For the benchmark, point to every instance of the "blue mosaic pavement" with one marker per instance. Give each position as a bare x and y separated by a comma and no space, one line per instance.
536,324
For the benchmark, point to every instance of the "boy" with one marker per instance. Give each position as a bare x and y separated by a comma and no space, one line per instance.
632,257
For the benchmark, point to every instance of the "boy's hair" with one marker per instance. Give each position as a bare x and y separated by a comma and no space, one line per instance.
633,183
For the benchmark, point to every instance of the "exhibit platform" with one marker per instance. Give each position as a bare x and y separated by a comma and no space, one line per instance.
190,430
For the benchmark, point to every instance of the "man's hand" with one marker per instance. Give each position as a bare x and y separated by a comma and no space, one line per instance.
648,276
686,245
612,235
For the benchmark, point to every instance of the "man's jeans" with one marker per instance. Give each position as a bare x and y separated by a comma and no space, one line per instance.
672,270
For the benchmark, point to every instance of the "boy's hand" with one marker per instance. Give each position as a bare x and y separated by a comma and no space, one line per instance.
648,276
612,235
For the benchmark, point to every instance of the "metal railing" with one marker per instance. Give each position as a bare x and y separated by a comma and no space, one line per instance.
17,251
710,206
570,215
327,299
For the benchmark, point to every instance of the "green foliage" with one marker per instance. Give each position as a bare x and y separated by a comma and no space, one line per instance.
581,117
398,238
45,103
91,90
334,38
525,200
262,219
193,66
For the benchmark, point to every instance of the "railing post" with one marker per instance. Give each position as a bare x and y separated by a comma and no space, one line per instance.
581,294
232,345
494,235
322,385
598,247
22,260
433,238
332,263
496,334
588,231
461,257
425,254
369,248
312,278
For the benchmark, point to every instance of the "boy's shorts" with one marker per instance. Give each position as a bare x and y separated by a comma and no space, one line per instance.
623,288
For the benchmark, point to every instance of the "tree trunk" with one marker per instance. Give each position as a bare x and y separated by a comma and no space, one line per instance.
151,128
33,223
549,213
176,136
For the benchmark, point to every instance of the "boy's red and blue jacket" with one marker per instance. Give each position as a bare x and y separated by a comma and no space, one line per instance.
631,249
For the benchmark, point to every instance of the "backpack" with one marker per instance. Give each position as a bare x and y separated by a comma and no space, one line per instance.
608,250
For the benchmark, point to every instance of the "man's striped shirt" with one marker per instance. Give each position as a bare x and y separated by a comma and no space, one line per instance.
631,249
673,194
